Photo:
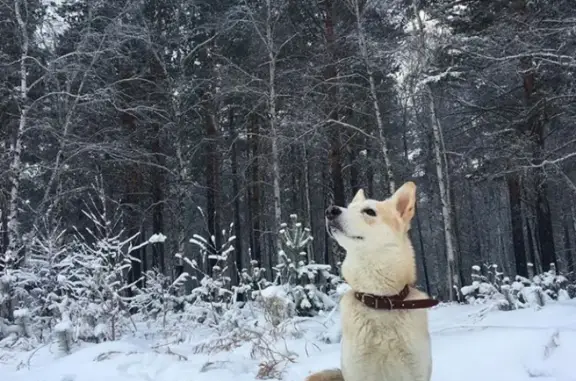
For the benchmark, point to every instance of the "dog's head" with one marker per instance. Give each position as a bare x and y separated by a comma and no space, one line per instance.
369,224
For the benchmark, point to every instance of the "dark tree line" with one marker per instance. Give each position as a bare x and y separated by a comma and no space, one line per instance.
192,115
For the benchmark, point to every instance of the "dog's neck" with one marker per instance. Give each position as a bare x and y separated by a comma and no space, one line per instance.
380,272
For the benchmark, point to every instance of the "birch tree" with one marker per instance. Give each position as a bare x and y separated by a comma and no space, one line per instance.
264,23
273,51
357,7
22,15
423,62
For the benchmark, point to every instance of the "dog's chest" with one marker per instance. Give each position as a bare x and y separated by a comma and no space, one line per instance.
381,345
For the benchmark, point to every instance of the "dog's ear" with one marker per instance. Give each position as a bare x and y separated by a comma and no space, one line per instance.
359,197
404,200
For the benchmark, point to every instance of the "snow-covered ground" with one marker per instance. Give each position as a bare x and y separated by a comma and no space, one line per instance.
468,344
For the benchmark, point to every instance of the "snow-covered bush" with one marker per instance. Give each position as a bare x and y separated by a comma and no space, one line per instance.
483,287
296,246
103,260
214,285
251,281
491,286
211,294
17,306
51,260
78,281
278,305
551,283
159,295
29,291
307,284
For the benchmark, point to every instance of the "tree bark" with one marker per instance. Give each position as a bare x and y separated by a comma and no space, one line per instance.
181,204
545,231
354,175
3,228
331,74
568,248
388,172
213,188
453,273
254,190
306,194
418,220
13,252
533,248
477,245
453,270
133,184
273,125
236,194
369,170
536,126
158,184
514,193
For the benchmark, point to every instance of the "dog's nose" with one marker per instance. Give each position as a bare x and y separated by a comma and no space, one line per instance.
332,212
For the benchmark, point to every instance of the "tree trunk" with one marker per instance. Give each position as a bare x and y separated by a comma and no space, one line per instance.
180,223
568,248
331,74
423,254
536,125
543,214
328,259
418,220
354,176
213,187
477,245
135,274
533,248
453,272
573,219
236,194
369,170
306,194
3,228
13,253
158,184
130,201
545,233
254,190
514,193
456,225
296,180
273,125
389,174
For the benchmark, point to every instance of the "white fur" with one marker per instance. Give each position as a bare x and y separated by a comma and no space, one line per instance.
379,345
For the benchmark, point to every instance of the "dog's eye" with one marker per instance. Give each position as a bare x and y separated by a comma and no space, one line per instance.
370,212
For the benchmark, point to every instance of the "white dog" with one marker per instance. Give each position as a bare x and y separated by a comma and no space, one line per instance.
384,320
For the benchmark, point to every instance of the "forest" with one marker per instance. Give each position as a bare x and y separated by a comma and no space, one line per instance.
197,143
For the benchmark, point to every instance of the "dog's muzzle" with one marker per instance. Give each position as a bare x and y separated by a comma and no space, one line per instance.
332,212
333,224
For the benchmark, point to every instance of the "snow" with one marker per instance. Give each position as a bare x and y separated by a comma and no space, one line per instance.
63,326
21,313
274,292
497,345
342,288
157,238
